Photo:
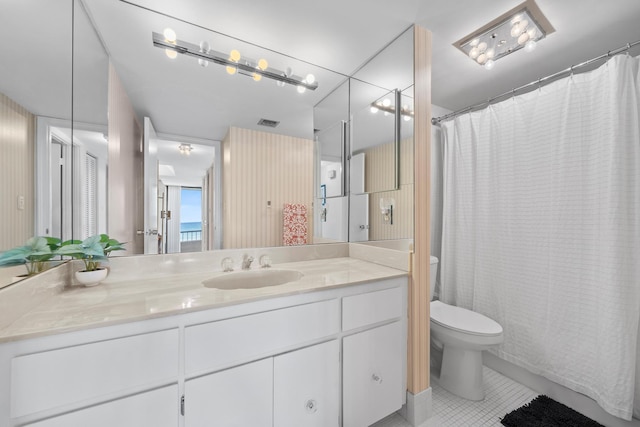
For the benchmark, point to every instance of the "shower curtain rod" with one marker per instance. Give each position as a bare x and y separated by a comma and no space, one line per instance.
539,82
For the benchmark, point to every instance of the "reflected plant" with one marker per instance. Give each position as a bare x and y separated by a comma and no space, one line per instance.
35,254
92,250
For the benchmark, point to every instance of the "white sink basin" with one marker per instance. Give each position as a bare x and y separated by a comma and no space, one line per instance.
252,279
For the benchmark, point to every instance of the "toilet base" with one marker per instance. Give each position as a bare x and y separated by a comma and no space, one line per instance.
461,372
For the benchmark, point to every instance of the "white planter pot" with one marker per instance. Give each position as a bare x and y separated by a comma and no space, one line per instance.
92,278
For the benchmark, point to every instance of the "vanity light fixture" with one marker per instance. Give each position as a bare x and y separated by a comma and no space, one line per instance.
386,106
521,27
185,149
234,62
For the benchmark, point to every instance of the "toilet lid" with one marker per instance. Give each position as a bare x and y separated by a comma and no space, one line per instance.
463,320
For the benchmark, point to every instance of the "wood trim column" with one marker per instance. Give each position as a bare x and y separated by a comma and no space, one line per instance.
418,331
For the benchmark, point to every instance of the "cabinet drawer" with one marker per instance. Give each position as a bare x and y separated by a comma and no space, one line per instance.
366,309
225,343
157,408
74,374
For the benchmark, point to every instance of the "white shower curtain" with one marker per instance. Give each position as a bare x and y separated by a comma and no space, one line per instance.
541,228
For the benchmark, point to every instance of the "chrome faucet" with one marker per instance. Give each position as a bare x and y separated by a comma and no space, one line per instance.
246,262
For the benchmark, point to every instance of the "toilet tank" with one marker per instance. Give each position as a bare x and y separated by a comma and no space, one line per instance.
432,276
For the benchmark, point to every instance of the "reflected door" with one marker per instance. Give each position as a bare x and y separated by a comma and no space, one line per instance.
151,237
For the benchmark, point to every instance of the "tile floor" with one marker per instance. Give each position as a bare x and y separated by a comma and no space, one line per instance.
503,395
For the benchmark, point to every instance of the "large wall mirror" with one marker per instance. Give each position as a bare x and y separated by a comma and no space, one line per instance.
35,87
173,152
381,150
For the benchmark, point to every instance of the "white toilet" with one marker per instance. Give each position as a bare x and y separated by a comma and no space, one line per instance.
458,337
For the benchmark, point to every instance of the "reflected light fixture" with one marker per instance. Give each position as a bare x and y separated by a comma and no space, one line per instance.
234,62
521,27
185,149
386,106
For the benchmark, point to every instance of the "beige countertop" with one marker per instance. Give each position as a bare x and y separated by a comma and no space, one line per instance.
55,307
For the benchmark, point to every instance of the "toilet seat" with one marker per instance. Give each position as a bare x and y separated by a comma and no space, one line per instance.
463,320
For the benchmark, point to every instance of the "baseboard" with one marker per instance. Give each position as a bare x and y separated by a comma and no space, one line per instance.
562,394
418,408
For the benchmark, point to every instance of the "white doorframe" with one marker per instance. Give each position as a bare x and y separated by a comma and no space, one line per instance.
217,171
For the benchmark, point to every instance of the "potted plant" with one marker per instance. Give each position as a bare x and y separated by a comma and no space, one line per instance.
92,251
35,254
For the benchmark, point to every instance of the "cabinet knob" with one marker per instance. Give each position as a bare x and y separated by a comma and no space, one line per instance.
311,406
376,378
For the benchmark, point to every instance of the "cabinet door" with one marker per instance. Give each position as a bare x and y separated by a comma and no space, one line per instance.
157,408
237,397
306,387
372,375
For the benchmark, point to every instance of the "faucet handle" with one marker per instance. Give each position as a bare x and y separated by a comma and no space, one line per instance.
265,261
227,264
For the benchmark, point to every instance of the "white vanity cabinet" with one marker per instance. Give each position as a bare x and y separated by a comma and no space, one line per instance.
373,363
335,357
299,388
307,387
236,397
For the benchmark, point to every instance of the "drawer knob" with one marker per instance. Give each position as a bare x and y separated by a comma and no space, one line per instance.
376,378
311,406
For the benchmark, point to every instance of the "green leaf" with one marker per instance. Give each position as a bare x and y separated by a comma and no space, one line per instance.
14,256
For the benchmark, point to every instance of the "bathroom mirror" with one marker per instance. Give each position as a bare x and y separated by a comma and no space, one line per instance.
182,113
35,85
330,120
381,162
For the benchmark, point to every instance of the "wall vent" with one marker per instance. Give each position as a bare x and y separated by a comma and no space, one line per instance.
268,123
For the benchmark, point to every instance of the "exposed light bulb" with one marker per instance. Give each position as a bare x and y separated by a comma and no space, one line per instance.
524,37
530,46
482,47
489,64
473,53
374,109
481,58
516,19
263,64
532,33
301,89
171,53
491,53
231,70
474,42
169,35
524,24
516,30
310,78
386,102
204,46
203,62
257,77
234,55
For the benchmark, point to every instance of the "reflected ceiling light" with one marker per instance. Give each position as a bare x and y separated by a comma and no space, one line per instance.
234,62
520,27
185,149
170,37
388,109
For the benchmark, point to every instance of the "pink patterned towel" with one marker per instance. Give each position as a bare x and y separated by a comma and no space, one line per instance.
294,217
